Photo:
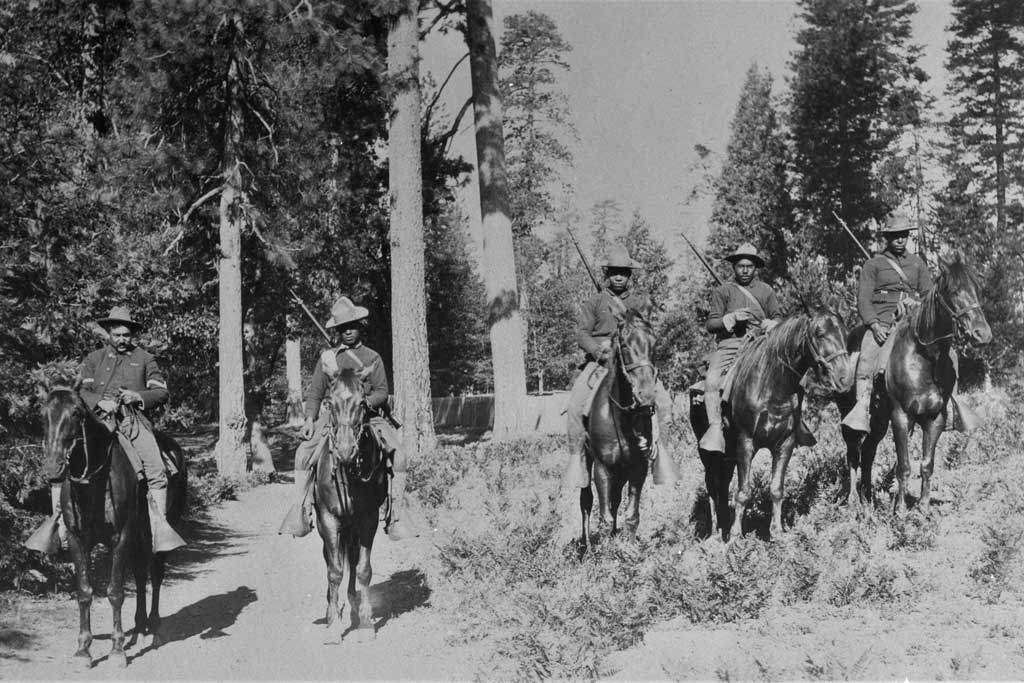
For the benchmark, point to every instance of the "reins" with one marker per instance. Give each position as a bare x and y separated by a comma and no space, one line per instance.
817,357
627,368
956,316
87,473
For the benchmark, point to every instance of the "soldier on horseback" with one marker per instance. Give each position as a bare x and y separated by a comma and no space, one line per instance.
350,321
740,308
123,384
594,329
889,283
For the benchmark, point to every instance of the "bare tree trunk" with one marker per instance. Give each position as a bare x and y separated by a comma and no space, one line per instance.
231,447
504,316
408,283
293,371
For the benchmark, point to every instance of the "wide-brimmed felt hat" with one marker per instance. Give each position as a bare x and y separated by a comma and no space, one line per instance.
896,222
745,251
119,315
344,311
618,257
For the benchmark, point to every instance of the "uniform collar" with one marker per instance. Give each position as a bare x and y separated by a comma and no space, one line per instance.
625,293
894,257
111,351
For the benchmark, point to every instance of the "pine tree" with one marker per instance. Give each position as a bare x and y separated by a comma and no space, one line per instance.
855,89
751,199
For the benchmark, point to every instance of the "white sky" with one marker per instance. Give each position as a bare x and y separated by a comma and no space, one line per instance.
649,80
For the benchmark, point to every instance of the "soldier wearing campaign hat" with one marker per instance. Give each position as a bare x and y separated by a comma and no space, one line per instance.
889,282
350,321
594,329
744,306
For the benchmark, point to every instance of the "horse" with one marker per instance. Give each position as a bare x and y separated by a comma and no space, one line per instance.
619,430
765,407
351,484
916,385
102,501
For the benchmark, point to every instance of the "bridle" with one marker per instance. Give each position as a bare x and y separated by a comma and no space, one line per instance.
628,366
87,473
818,358
957,316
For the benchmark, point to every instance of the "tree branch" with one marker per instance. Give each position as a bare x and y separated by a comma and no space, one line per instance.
447,137
443,11
437,95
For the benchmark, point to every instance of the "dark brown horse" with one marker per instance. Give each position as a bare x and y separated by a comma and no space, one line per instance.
916,385
619,431
351,485
765,407
102,501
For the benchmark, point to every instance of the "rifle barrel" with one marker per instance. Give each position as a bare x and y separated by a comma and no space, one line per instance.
583,257
310,315
852,236
701,258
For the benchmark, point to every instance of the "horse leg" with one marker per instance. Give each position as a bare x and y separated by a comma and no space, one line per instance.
602,482
333,557
900,431
614,501
868,450
158,565
930,432
586,506
853,440
78,547
115,594
636,485
780,461
744,449
361,573
140,567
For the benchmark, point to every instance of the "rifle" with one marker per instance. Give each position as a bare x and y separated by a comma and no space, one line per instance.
583,257
852,236
316,322
701,258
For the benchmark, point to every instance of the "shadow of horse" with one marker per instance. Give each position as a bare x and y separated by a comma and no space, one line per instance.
403,592
210,616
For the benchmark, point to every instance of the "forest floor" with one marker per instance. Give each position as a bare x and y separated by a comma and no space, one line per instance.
495,589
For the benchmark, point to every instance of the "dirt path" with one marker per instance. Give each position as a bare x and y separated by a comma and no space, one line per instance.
242,603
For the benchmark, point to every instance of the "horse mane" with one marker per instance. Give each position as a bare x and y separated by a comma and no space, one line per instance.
774,347
954,276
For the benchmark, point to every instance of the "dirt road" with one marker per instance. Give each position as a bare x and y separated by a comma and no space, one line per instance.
242,603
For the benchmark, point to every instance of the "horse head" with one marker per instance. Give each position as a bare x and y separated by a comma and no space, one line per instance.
347,409
632,345
826,343
65,416
957,291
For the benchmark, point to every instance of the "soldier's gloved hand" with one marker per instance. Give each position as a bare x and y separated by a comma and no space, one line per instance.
107,405
729,320
604,355
879,332
306,433
329,363
743,315
130,398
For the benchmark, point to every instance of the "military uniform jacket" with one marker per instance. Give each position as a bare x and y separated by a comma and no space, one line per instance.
881,288
729,298
375,382
596,322
105,371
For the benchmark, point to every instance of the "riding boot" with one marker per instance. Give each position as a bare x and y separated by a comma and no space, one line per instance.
857,419
963,418
298,521
576,475
51,535
713,440
165,538
404,524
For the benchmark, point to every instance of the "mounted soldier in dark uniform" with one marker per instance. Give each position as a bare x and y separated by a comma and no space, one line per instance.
595,326
123,384
350,321
889,283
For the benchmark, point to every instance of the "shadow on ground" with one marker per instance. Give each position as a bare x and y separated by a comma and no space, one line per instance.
208,617
403,592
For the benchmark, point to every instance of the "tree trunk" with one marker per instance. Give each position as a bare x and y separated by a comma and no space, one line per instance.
503,314
408,283
1000,146
231,447
293,371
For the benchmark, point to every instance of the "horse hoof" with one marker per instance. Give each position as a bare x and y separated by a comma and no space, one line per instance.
119,659
82,660
152,641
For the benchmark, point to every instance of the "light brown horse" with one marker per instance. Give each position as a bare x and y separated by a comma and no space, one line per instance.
351,485
916,385
619,430
765,407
